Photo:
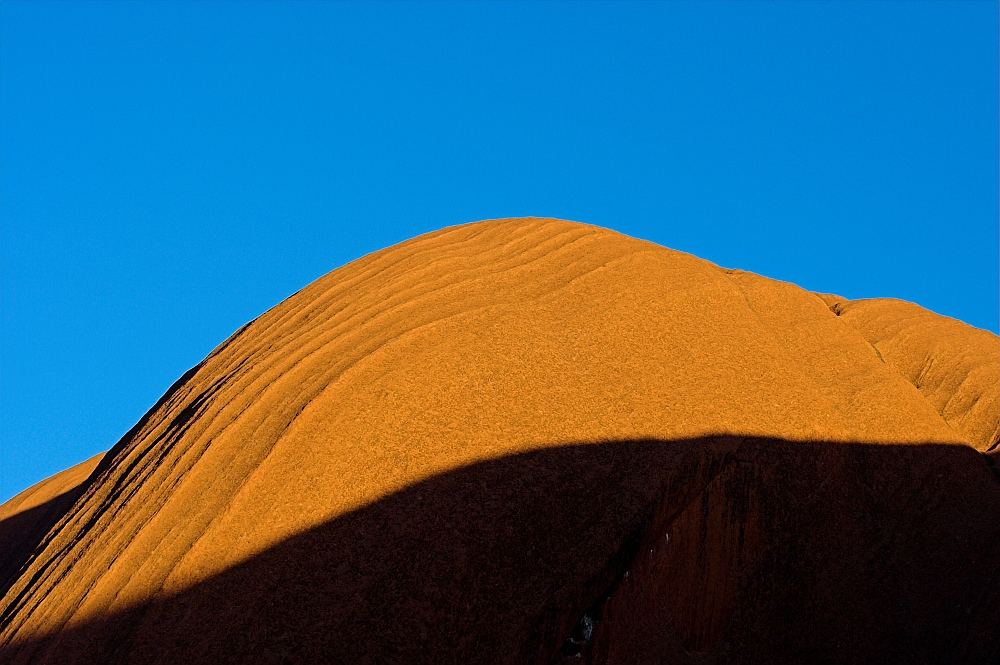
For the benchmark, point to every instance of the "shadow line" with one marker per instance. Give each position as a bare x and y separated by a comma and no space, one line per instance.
21,533
709,550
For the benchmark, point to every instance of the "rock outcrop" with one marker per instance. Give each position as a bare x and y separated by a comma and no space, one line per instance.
533,440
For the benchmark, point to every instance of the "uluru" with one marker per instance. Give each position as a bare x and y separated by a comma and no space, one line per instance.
536,441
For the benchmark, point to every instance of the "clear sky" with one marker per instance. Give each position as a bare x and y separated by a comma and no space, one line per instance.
171,170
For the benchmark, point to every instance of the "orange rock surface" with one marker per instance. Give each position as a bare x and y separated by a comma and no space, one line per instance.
529,440
27,518
955,366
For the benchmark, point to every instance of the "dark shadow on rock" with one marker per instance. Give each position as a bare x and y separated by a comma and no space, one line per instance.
711,550
21,533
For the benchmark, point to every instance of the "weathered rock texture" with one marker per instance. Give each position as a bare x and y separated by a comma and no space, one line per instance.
533,440
27,518
955,366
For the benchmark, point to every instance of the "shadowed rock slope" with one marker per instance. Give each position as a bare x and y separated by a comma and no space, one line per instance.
29,516
533,440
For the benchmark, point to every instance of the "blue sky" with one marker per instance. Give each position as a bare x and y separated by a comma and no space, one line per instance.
171,170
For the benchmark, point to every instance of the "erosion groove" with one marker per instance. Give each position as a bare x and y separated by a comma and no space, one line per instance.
954,366
527,440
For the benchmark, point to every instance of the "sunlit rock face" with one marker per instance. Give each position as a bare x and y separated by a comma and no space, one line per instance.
532,440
